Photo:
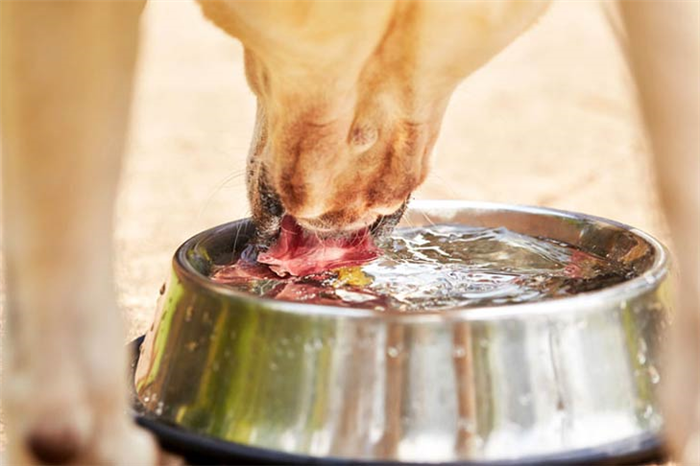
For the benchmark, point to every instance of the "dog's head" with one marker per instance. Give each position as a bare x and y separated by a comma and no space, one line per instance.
351,97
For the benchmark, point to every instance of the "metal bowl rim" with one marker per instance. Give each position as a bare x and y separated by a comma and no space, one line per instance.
567,305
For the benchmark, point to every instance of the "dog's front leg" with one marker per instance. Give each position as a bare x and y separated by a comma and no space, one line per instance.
664,53
66,84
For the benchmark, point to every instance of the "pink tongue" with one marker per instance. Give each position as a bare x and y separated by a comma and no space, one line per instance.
300,253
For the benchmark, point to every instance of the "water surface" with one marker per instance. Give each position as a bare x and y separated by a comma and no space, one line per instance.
445,267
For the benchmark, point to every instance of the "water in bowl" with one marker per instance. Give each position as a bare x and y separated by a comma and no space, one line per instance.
445,267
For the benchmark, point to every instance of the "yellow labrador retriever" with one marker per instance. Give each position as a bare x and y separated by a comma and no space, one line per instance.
350,100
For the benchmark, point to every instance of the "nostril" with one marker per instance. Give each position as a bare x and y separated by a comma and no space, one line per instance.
52,445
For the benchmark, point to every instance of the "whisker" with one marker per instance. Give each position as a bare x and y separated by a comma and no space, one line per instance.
235,240
428,219
238,230
227,179
408,221
445,184
382,221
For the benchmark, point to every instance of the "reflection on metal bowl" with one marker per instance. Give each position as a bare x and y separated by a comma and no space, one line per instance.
483,384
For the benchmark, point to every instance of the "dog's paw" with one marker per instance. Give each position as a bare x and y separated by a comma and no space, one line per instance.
107,445
68,429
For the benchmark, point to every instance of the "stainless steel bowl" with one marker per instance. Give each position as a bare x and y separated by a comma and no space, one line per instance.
481,384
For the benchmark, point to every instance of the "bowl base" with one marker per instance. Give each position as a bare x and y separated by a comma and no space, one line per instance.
201,449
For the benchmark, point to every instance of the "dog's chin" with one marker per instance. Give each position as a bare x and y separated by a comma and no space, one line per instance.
268,212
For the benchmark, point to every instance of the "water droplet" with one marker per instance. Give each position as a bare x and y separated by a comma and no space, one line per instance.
392,351
641,358
191,346
146,399
648,411
643,345
654,375
459,352
159,408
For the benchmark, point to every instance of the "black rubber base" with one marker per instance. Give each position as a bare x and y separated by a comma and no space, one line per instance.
202,449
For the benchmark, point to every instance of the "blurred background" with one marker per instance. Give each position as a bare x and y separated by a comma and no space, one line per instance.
551,121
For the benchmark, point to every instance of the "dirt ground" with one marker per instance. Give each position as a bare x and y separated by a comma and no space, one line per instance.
551,121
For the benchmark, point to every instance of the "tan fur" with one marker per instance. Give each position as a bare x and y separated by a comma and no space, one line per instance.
66,87
664,52
350,113
347,116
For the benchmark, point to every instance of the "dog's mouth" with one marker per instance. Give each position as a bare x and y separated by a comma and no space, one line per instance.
290,249
298,252
270,213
